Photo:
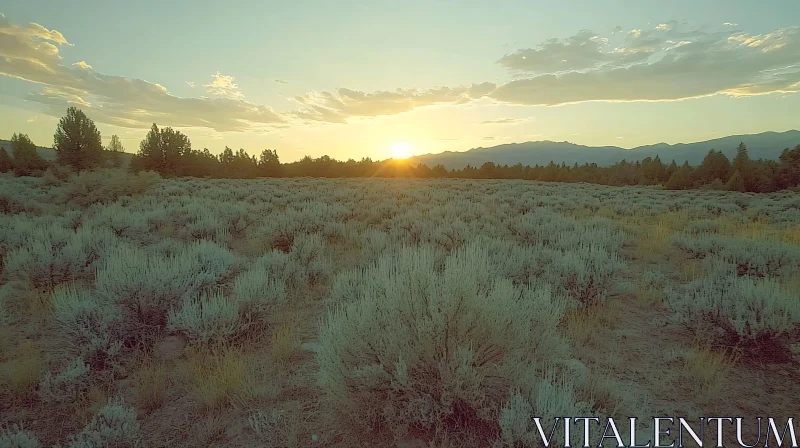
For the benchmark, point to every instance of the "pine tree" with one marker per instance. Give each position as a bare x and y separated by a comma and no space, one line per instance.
114,152
27,160
715,166
6,164
77,141
150,154
165,150
736,182
681,179
269,165
741,160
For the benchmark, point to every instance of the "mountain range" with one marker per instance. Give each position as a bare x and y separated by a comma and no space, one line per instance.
766,145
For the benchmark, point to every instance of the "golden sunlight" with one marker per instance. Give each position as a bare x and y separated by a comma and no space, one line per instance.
401,150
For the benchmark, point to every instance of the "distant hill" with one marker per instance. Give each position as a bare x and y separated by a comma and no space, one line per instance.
49,154
767,145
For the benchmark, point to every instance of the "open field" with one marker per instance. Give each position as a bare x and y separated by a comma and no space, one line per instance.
141,311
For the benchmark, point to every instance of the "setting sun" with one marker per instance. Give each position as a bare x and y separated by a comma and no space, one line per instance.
401,150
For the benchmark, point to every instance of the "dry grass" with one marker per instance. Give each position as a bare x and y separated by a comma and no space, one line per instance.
5,342
152,385
690,270
283,344
649,294
21,374
707,371
654,234
218,375
791,235
88,405
38,303
601,389
759,228
585,324
286,428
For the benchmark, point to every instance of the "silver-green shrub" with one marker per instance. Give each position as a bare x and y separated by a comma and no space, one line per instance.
90,325
16,437
587,274
114,425
148,285
737,309
422,345
207,318
257,293
66,387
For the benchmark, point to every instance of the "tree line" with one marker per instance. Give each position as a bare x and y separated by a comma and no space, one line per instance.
77,143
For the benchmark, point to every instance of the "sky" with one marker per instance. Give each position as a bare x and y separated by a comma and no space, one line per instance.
352,79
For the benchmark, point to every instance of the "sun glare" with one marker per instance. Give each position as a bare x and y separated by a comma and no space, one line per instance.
401,150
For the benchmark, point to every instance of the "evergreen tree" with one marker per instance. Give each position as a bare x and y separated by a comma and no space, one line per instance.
77,141
681,179
27,160
789,170
269,165
741,160
165,150
6,164
151,156
114,152
715,166
736,182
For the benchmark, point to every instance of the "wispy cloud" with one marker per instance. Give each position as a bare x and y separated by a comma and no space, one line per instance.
345,103
504,121
280,81
32,119
191,84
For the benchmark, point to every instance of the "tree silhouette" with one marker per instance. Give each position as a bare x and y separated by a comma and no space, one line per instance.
114,151
77,141
6,164
27,160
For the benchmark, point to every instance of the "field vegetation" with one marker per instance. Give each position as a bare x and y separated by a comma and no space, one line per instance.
138,310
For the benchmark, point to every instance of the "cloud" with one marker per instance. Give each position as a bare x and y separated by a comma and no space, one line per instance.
731,63
31,53
32,119
584,50
224,86
345,103
668,61
191,84
504,121
280,81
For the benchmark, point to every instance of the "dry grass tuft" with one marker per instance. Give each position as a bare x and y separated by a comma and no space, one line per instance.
691,270
585,324
707,370
650,294
283,344
38,303
152,384
21,374
91,403
5,342
219,375
281,427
